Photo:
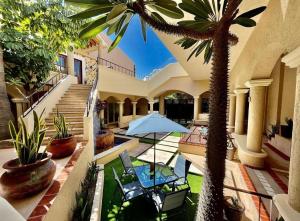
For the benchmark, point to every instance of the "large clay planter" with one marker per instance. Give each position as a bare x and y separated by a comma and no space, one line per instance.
62,147
20,181
105,139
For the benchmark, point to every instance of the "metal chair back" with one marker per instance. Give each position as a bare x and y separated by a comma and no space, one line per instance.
126,161
182,167
119,184
174,200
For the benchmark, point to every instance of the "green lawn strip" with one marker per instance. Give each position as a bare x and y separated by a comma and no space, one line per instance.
140,209
175,134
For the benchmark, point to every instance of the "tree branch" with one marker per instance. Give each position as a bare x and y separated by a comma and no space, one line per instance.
139,8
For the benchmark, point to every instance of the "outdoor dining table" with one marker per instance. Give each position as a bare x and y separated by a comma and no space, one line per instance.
163,175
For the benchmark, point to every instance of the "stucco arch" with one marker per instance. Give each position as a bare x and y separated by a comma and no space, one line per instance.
182,84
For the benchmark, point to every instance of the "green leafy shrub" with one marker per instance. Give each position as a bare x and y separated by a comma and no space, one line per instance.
61,127
85,197
28,144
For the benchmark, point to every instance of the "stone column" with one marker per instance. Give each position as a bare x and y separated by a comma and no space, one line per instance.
294,178
240,110
162,105
232,108
257,105
252,154
292,60
151,106
121,108
196,107
70,62
134,109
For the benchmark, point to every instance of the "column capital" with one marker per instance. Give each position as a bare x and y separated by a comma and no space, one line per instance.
241,90
196,97
134,102
151,102
232,95
292,59
258,83
120,102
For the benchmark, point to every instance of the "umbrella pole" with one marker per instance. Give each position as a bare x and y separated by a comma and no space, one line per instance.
154,157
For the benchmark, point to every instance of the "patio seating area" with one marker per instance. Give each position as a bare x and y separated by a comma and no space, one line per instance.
144,203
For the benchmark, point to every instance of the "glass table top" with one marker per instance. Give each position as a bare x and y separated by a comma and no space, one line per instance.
163,175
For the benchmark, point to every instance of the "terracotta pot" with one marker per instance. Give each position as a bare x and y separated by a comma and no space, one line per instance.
62,147
232,212
20,181
105,139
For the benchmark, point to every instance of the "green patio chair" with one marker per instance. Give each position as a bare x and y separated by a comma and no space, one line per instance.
181,170
129,191
171,203
127,164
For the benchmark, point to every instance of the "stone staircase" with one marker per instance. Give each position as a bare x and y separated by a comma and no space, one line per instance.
72,105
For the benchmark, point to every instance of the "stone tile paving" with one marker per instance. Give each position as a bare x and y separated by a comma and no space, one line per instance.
161,156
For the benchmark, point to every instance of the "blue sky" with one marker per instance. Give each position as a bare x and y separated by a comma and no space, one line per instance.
147,56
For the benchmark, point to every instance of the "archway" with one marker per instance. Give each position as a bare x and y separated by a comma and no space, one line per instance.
142,106
128,107
111,111
179,106
204,103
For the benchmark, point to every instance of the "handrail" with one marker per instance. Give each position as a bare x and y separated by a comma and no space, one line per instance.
35,98
94,86
116,67
256,194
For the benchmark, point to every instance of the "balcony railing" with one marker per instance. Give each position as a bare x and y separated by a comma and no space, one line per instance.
117,67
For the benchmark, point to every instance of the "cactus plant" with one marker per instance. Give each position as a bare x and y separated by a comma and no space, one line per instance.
27,144
61,127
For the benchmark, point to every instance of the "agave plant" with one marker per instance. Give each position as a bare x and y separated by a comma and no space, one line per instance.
61,127
208,31
27,144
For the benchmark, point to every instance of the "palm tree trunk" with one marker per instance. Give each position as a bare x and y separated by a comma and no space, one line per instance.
5,114
212,200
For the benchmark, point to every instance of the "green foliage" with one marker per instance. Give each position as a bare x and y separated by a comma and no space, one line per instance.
27,144
61,127
115,16
32,34
84,198
206,16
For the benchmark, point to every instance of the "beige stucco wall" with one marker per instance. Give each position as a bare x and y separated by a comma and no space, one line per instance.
184,84
288,94
281,95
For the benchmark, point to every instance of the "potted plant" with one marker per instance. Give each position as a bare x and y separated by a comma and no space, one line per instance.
234,208
287,130
104,138
63,143
33,170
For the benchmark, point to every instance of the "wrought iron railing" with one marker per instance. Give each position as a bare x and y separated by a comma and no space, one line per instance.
117,67
31,101
94,86
260,205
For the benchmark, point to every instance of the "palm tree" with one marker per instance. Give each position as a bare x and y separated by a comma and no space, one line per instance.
208,32
6,114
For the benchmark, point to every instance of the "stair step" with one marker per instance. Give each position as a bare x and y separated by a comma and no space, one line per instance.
68,119
50,126
72,102
68,114
71,105
73,109
74,131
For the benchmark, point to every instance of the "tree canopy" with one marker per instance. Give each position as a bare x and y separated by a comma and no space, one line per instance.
32,34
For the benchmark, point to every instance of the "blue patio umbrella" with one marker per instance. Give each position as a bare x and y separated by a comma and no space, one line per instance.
154,123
